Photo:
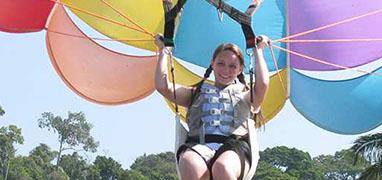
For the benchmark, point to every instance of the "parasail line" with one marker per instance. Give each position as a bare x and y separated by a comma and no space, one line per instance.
330,40
127,18
100,17
331,25
93,38
324,62
277,69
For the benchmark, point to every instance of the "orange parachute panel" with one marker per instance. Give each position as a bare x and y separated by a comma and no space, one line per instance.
94,72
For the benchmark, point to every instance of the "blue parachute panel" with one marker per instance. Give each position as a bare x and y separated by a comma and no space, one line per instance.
346,107
200,30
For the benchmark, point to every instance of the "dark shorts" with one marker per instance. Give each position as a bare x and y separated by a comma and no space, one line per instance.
234,143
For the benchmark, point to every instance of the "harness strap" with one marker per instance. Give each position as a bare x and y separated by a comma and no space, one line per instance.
212,138
170,16
244,19
232,12
169,28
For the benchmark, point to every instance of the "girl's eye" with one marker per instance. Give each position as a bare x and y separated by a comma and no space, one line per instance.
233,66
220,64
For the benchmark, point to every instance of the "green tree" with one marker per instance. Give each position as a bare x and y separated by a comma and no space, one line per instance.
292,161
35,166
108,168
2,112
74,166
133,174
369,147
72,132
93,173
24,167
9,136
44,152
43,155
57,174
159,166
266,171
340,166
372,173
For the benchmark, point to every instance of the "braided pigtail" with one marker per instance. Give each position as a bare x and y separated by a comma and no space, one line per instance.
200,83
242,81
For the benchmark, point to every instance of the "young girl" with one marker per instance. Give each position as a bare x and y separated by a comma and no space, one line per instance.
217,142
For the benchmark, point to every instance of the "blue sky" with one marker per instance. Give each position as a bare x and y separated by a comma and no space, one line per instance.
30,86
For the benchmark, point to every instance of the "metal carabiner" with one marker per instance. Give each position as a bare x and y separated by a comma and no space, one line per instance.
249,52
220,11
220,14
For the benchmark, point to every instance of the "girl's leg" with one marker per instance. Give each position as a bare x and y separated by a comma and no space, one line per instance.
192,166
227,166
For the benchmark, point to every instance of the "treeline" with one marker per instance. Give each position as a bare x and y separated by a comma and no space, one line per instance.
275,163
362,161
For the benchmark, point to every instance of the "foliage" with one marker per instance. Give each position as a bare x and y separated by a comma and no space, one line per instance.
74,166
372,172
369,147
93,173
9,136
25,168
159,166
43,153
266,171
108,168
133,174
57,174
294,162
340,166
72,132
2,112
35,166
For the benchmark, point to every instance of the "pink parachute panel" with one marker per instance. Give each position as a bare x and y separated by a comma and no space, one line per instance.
94,72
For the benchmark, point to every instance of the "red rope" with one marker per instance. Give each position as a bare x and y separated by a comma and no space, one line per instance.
330,40
126,17
331,25
277,70
100,17
94,38
324,62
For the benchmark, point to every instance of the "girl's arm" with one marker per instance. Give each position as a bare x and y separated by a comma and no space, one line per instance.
261,77
163,85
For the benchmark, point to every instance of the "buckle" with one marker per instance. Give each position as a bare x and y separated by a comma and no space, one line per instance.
209,91
215,123
227,107
215,111
213,99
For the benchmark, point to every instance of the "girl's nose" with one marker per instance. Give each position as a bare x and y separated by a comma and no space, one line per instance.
226,69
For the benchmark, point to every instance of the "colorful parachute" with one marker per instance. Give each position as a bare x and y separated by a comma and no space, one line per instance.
309,36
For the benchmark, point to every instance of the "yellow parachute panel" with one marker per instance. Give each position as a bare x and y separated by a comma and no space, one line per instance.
111,18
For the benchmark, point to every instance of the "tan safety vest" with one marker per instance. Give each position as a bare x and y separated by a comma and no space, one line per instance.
218,111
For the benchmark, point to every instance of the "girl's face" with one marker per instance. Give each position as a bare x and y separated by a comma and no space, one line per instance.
226,67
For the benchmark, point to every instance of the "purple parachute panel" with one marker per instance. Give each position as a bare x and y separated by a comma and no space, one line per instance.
307,15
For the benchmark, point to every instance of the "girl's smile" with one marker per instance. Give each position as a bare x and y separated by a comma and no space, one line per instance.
226,67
